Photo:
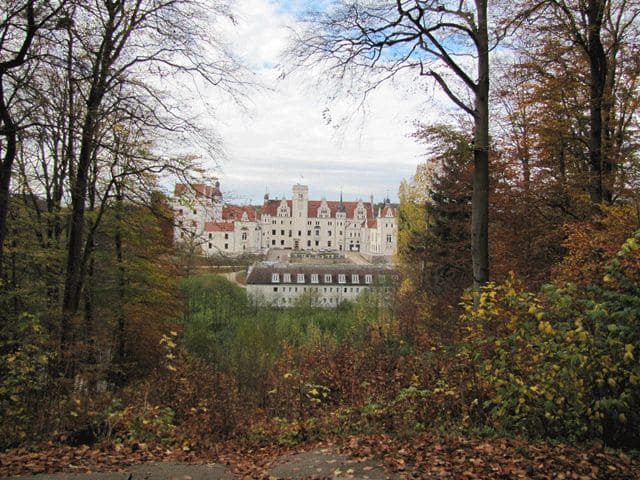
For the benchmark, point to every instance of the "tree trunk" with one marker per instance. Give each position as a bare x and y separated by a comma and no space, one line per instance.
480,196
598,77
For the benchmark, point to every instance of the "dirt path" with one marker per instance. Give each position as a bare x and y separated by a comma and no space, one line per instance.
232,277
324,463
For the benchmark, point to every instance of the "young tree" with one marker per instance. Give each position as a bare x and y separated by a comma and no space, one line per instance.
447,41
21,23
119,45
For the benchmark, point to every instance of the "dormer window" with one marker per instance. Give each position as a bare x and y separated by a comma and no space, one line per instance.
286,278
275,278
342,278
301,278
355,278
368,279
327,278
314,278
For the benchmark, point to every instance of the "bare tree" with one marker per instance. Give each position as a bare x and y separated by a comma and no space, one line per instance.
448,41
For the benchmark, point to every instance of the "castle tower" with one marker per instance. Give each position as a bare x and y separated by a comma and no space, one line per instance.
300,201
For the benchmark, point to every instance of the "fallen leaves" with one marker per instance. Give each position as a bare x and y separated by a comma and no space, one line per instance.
421,456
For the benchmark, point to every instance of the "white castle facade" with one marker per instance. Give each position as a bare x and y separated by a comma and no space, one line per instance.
204,222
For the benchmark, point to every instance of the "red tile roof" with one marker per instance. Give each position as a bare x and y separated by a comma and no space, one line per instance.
200,189
234,212
271,208
218,227
387,209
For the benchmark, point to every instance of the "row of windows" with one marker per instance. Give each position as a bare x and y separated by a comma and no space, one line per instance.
326,289
317,232
315,278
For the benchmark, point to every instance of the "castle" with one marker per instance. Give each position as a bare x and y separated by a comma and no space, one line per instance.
204,222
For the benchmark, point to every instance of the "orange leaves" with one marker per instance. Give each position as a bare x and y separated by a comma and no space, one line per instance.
592,245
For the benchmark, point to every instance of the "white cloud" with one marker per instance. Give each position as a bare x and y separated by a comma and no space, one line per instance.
285,134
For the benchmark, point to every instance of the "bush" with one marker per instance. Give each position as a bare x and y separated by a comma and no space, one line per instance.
562,363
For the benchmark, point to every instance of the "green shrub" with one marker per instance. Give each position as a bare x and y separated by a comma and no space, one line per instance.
561,363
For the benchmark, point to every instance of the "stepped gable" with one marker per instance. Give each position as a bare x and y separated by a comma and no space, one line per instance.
232,213
270,207
349,208
200,189
218,227
387,211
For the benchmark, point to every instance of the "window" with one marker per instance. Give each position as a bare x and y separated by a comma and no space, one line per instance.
286,278
289,232
226,236
308,233
281,242
317,243
329,232
195,212
368,279
273,242
340,232
329,243
210,246
275,289
314,278
299,233
210,236
342,278
273,232
308,243
180,211
275,278
226,246
244,235
327,278
317,232
301,278
281,232
388,238
355,278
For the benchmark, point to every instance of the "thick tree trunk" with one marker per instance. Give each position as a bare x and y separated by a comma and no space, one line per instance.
5,177
480,196
74,275
598,191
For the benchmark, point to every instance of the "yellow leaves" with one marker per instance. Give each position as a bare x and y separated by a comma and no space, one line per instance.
622,418
612,382
628,353
546,328
288,375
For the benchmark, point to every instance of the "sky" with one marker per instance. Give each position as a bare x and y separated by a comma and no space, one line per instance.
288,130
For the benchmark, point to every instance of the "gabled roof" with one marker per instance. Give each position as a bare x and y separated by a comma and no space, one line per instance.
388,211
218,227
200,190
235,212
313,206
270,207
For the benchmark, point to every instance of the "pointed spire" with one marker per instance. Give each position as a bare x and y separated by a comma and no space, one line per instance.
341,206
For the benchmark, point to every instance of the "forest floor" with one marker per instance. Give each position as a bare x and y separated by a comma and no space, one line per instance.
371,457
